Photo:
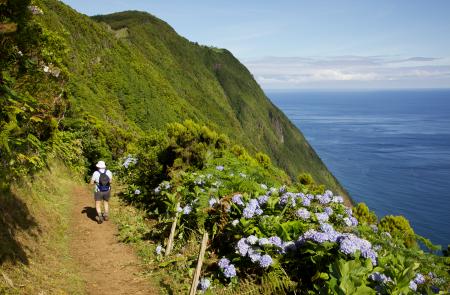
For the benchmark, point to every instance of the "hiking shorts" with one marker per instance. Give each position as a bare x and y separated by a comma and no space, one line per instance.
102,196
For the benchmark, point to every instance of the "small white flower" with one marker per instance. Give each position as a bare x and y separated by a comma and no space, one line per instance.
46,69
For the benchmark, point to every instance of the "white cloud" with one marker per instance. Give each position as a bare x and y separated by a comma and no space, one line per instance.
351,71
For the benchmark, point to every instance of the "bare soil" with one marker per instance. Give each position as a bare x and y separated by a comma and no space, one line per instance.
107,266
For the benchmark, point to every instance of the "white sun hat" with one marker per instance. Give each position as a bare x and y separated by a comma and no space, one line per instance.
101,165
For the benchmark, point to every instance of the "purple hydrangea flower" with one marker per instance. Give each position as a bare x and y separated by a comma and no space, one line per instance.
220,168
237,199
315,236
354,221
323,199
204,284
282,189
137,192
419,279
328,210
303,213
349,244
223,262
242,247
347,221
259,211
322,217
306,202
229,271
254,257
248,212
286,197
263,199
413,285
276,241
379,277
213,201
349,211
264,241
265,261
159,249
187,209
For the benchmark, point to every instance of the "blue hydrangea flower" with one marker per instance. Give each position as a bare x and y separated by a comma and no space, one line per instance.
323,199
220,168
276,241
137,192
349,211
129,161
413,285
322,217
303,213
259,211
315,236
347,221
242,247
255,257
354,221
179,208
328,210
187,209
282,189
419,279
288,246
306,202
159,249
264,241
229,271
265,261
212,201
204,284
223,262
248,212
263,199
237,199
252,240
380,277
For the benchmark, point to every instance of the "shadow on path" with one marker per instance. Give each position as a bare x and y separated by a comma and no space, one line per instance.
14,218
90,212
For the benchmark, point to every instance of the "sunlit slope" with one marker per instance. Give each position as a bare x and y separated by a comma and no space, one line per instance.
132,69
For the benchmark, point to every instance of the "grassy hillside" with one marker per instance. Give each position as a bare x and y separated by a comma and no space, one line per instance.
34,244
134,72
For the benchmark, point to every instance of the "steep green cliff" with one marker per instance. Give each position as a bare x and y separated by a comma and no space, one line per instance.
133,70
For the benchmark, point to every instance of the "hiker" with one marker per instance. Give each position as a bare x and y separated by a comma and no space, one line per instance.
102,191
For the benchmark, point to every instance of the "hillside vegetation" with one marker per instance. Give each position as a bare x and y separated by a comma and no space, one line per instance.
198,147
132,72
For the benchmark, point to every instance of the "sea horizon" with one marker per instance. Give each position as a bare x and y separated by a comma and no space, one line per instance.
387,148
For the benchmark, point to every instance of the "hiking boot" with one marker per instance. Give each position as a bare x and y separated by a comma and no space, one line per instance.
99,219
105,217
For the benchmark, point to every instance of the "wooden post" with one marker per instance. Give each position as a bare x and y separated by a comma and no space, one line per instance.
198,269
172,233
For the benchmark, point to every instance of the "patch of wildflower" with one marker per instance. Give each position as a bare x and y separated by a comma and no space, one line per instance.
265,261
129,161
159,249
237,199
204,284
303,213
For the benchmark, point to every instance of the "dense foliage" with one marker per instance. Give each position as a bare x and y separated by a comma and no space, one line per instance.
282,237
132,72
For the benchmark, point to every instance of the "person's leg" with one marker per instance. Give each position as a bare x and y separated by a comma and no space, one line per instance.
106,204
98,207
106,197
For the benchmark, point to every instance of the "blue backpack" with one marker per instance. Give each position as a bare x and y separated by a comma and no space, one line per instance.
104,182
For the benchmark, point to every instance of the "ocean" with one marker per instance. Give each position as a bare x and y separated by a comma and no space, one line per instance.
389,149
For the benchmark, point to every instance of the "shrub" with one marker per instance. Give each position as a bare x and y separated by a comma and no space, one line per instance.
364,215
398,226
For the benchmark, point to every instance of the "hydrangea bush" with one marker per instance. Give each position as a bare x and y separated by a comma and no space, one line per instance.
260,224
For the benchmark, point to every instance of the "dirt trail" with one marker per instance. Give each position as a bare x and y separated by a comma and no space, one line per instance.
107,266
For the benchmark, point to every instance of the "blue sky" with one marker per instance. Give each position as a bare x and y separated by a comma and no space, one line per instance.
315,44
